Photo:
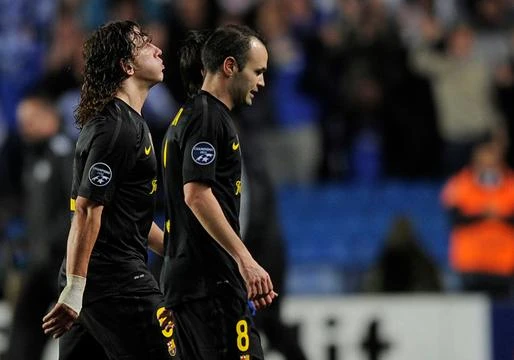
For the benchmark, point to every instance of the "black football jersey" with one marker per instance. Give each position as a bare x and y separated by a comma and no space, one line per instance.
115,165
201,145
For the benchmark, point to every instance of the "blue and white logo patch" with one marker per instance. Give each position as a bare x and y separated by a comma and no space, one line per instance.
100,174
203,153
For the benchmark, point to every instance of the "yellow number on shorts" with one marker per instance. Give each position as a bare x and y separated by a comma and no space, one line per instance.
166,329
243,340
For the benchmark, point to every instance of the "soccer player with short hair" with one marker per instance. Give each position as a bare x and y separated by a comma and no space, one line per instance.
208,274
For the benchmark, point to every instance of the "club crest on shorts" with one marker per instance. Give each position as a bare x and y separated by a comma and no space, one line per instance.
203,153
100,174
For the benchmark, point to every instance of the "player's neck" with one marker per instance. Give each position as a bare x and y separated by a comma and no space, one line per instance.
216,85
133,95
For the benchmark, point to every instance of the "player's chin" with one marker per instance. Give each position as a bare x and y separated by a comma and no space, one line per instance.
158,75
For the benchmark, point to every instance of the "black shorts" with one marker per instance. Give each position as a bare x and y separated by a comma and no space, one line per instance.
214,328
121,328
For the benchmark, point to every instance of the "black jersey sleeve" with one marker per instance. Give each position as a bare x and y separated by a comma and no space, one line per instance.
201,143
110,155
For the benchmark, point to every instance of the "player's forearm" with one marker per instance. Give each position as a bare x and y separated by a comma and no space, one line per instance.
207,210
156,239
82,237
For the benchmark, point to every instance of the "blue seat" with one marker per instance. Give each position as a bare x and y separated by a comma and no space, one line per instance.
345,225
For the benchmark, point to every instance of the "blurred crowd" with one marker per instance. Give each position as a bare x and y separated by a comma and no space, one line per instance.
356,90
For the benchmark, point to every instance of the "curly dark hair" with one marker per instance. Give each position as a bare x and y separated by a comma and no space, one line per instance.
104,52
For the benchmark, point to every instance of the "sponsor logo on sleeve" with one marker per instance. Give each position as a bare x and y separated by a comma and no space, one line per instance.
100,174
203,153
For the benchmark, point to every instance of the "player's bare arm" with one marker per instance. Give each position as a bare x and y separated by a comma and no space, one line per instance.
202,202
156,239
81,239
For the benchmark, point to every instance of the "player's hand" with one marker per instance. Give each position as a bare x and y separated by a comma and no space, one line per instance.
260,302
258,283
59,320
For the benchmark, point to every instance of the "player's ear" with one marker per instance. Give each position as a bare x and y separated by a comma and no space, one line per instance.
127,67
230,66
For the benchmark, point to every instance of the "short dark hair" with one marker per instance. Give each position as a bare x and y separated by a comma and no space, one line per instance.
191,60
225,41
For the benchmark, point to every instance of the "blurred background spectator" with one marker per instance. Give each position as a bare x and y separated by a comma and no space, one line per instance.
291,138
46,184
403,265
480,203
463,88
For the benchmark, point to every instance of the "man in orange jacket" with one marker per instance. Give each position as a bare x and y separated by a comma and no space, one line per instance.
480,200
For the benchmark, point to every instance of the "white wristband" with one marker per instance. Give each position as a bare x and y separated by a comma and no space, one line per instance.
72,294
